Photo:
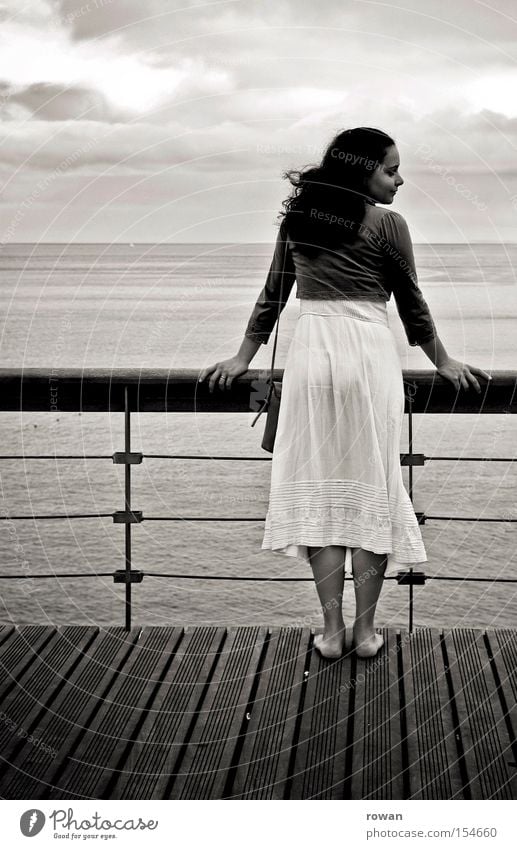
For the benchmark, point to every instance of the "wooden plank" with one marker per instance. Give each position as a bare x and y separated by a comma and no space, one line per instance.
480,715
263,767
37,687
433,764
5,632
319,767
377,746
89,767
503,644
60,728
208,757
502,650
151,761
19,651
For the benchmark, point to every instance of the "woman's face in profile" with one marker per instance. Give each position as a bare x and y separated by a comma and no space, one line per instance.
385,179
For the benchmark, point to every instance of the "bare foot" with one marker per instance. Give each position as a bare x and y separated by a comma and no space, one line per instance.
368,647
329,647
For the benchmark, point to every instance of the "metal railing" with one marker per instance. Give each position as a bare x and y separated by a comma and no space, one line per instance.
160,390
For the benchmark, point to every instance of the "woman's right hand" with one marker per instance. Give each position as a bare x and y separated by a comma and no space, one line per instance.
224,372
460,374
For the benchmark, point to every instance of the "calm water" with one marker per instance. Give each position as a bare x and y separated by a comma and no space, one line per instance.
182,306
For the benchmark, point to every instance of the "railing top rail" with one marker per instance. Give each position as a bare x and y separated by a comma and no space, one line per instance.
178,390
132,375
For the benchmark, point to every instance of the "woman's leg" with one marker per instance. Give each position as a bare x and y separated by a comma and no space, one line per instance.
328,567
368,569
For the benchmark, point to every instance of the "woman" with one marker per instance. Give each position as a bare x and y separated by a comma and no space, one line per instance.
337,495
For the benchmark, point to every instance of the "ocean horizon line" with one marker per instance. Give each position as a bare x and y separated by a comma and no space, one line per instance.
13,244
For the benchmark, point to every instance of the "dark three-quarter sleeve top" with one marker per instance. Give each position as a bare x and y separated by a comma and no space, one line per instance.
376,263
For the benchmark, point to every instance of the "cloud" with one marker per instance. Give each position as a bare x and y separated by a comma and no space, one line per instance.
90,19
129,82
49,102
141,147
494,89
35,12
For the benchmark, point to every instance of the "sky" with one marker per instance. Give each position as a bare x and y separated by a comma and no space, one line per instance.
165,121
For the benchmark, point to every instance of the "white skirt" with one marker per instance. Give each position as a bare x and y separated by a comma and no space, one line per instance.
336,477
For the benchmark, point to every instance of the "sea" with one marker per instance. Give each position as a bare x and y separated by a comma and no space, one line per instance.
186,306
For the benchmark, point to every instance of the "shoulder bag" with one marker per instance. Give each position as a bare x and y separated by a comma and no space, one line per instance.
274,393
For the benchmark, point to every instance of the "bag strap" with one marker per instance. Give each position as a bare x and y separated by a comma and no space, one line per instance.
270,379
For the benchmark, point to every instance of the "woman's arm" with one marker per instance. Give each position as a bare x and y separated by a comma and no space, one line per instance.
435,350
281,276
248,349
412,307
401,279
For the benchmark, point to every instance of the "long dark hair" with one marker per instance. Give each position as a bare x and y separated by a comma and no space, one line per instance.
328,203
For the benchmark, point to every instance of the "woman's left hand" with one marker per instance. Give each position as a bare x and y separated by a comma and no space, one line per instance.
460,374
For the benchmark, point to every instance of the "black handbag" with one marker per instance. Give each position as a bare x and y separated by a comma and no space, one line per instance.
273,396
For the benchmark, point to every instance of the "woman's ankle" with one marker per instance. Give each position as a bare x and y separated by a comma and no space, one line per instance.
332,613
333,628
363,629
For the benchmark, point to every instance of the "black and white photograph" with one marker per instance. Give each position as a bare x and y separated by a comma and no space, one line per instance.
258,524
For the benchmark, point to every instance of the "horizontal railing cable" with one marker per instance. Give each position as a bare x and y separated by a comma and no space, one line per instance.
56,457
291,579
217,457
295,578
59,575
144,456
60,516
476,459
229,518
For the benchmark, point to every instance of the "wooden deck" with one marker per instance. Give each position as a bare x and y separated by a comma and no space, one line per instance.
255,713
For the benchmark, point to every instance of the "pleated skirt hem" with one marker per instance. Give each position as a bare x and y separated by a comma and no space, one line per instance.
402,547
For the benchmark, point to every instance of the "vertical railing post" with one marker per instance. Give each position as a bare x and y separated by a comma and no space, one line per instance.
410,599
410,452
127,504
410,444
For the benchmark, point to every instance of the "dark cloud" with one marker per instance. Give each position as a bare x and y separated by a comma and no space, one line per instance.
96,18
49,102
137,21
